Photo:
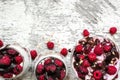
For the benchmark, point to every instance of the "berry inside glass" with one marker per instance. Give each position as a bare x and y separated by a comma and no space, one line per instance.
50,68
96,58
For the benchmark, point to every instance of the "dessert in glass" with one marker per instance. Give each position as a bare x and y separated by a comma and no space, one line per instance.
14,61
95,58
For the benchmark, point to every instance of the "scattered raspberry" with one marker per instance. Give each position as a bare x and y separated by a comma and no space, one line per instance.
97,75
40,68
111,70
33,54
85,32
64,52
78,48
98,49
48,61
50,45
41,77
112,30
51,68
85,63
8,75
1,43
18,59
92,57
5,60
107,47
18,69
81,56
58,62
12,52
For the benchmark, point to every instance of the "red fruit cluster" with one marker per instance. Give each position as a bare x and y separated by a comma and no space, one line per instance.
51,69
85,32
33,54
64,52
111,70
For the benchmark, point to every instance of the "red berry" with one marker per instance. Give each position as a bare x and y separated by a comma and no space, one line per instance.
80,75
18,59
107,47
98,49
8,75
83,70
62,74
18,69
50,45
64,52
85,32
92,57
113,30
81,56
5,60
41,77
51,68
97,75
78,48
58,62
85,63
40,68
111,70
48,61
33,54
1,43
12,52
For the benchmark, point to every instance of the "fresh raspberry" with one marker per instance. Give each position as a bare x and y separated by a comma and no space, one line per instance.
85,63
1,43
18,59
50,45
107,47
41,77
85,32
8,75
112,30
51,68
64,52
78,48
81,56
98,49
5,60
97,75
33,54
12,52
48,61
83,70
40,68
58,62
18,69
92,57
62,74
111,70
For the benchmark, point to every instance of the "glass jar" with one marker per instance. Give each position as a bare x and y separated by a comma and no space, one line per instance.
106,54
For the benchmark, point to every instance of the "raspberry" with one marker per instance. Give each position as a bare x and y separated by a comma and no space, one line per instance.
111,70
1,43
107,47
50,45
92,57
40,68
48,61
81,56
83,70
98,49
62,74
41,77
12,52
64,52
58,62
85,63
78,48
112,30
85,32
18,69
33,54
97,75
18,59
8,75
5,60
51,68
